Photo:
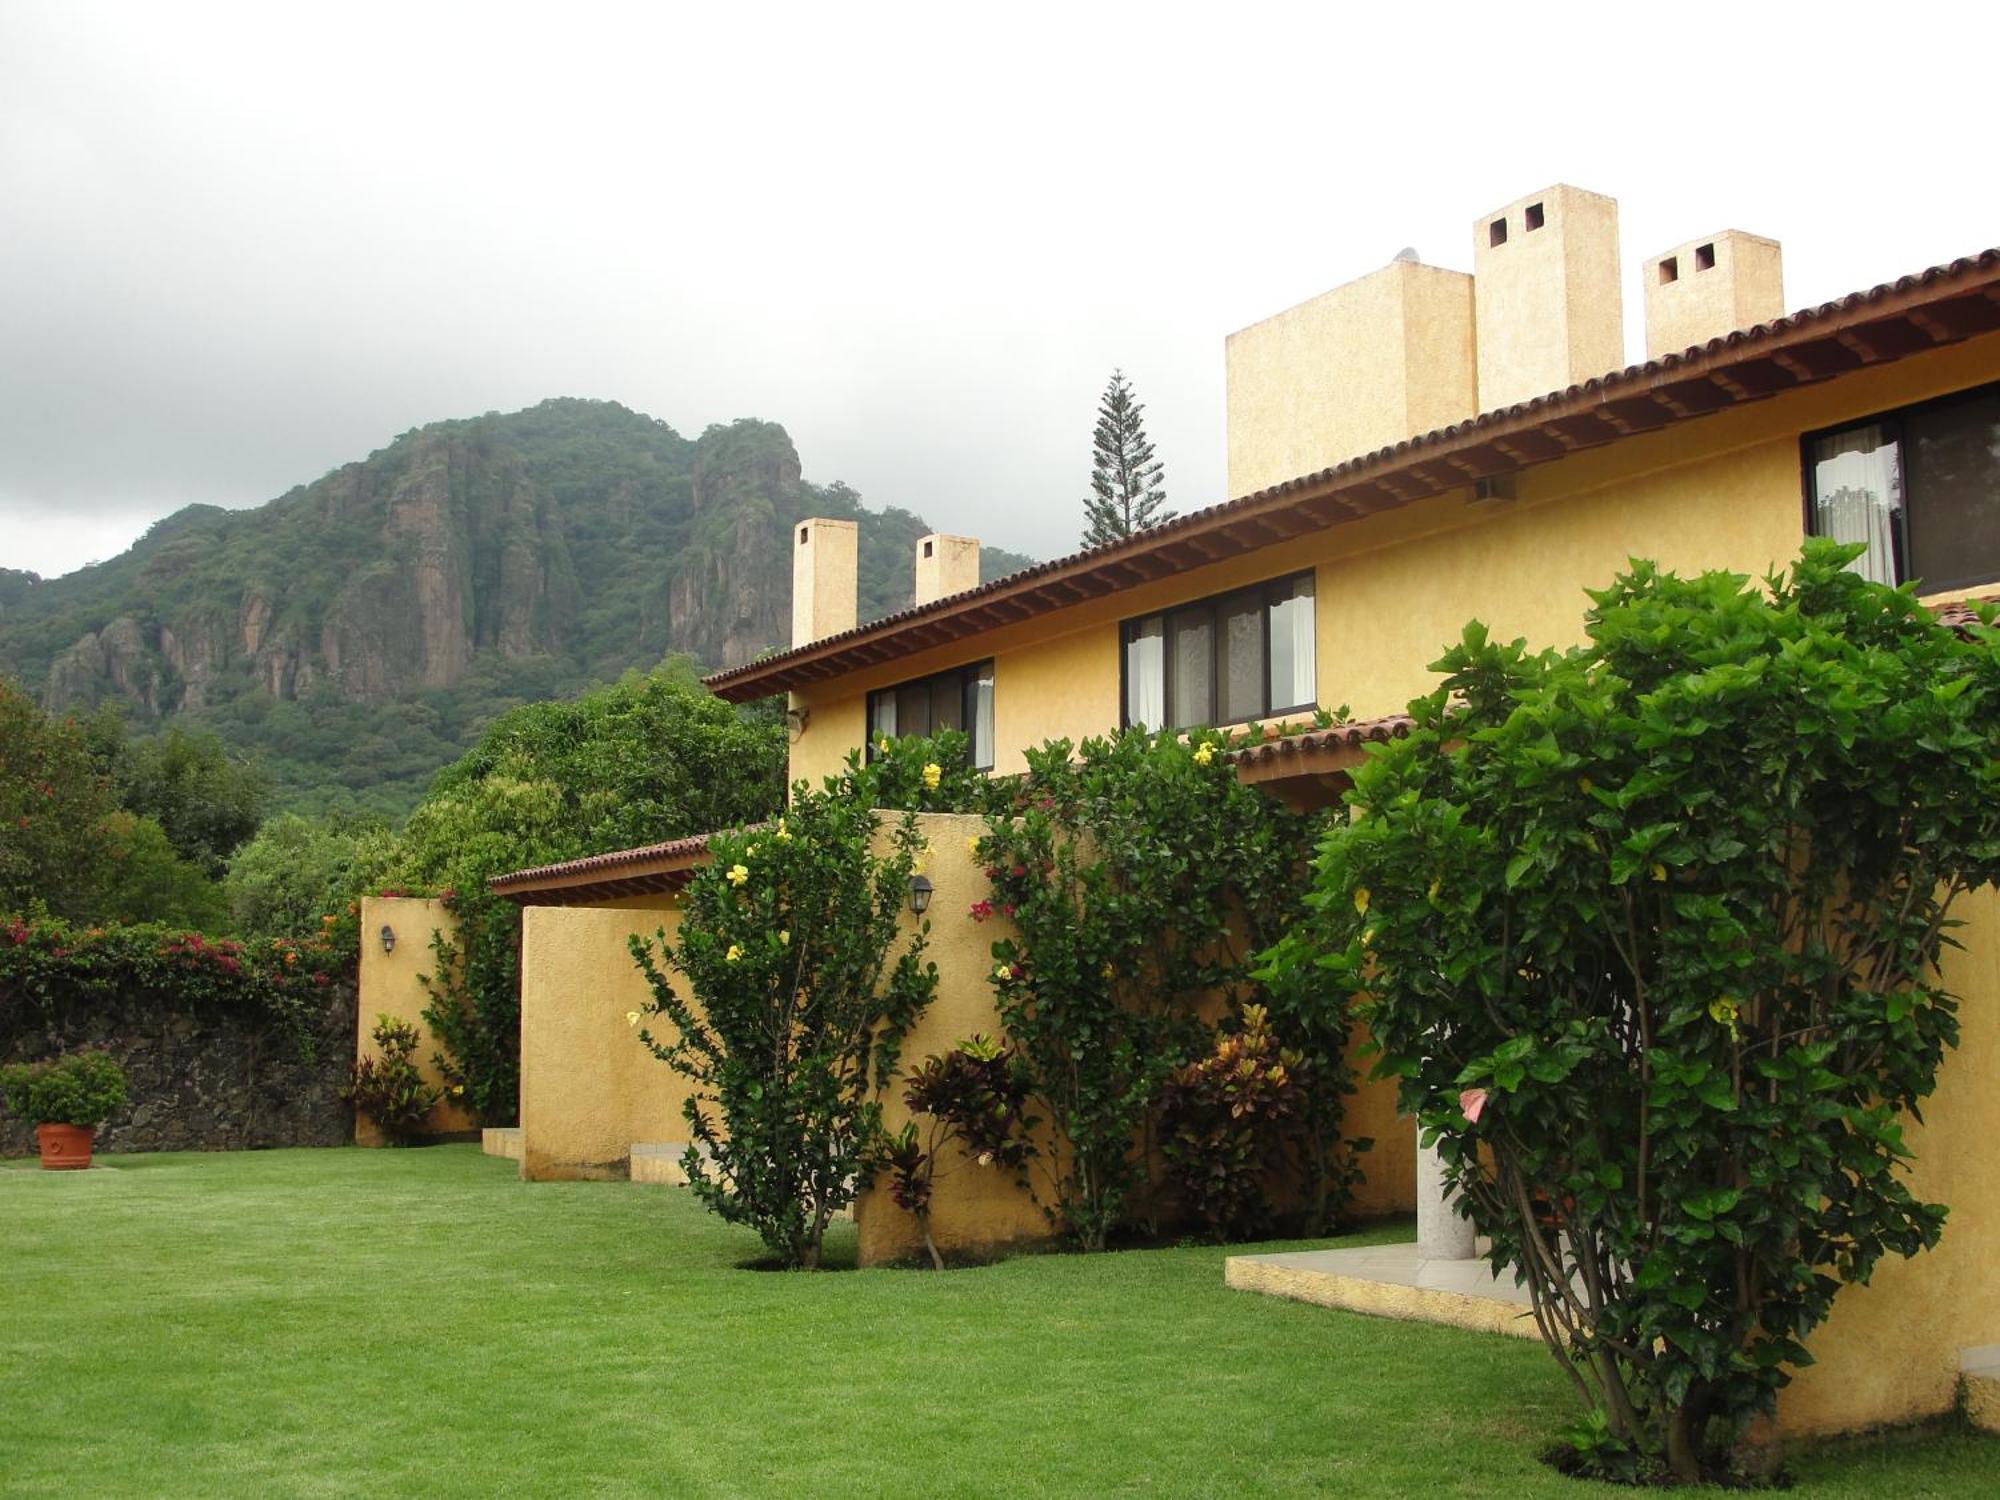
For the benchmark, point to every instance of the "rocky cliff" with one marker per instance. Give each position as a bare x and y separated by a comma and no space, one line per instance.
393,604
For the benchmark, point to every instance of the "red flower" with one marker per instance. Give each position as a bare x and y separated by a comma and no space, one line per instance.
981,910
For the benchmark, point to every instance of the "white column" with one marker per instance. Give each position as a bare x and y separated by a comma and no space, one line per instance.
1441,1233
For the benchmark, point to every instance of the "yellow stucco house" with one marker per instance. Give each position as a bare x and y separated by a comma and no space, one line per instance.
1413,449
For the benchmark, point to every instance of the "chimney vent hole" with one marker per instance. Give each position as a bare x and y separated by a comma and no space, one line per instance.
929,548
804,532
1533,217
1670,269
1496,232
1704,257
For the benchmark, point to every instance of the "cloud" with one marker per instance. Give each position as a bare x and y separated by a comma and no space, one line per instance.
247,243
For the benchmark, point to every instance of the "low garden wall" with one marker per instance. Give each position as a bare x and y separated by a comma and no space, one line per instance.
224,1047
393,978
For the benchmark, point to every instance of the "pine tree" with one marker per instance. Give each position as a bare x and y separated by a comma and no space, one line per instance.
1128,485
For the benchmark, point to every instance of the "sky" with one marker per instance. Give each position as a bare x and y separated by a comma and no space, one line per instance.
243,244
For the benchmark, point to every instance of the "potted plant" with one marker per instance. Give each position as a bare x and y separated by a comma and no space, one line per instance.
67,1098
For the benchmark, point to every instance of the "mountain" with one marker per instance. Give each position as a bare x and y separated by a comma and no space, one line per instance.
357,632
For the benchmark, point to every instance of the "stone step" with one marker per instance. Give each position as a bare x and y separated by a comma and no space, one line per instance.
1979,1369
502,1141
1390,1281
660,1161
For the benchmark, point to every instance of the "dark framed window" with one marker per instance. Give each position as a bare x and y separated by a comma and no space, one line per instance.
1920,487
1247,654
960,699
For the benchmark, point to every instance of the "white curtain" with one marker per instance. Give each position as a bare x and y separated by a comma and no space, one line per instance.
1857,490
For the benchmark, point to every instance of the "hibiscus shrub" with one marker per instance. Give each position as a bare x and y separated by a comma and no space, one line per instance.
1650,932
797,986
1141,876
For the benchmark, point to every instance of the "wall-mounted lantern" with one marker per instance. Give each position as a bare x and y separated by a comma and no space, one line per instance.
388,938
920,894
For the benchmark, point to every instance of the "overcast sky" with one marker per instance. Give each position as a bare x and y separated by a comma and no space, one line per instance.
242,244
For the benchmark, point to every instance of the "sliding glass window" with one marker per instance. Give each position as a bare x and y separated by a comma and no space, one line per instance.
960,699
1919,488
1244,655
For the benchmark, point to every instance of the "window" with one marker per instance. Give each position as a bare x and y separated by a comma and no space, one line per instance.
1919,487
1238,656
960,699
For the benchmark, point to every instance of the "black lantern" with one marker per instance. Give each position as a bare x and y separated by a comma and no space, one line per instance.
388,938
920,894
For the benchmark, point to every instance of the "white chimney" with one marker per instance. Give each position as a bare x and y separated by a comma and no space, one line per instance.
1546,295
946,565
825,579
1709,287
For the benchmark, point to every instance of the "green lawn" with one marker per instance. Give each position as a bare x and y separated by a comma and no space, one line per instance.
420,1323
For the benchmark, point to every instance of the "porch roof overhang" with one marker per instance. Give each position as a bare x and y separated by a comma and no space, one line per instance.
591,881
1943,305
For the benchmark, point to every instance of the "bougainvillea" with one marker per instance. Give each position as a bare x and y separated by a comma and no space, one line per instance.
46,962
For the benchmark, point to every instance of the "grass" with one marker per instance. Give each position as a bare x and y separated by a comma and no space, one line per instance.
420,1323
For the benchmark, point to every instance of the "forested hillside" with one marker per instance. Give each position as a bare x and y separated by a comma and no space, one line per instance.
355,633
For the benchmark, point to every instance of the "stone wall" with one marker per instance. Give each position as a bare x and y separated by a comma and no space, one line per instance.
213,1081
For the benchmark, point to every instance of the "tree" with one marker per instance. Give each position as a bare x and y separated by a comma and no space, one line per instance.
146,880
299,871
1649,930
185,781
54,846
1127,483
647,759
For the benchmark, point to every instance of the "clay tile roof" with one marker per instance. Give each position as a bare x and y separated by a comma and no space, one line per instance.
1962,613
1942,305
599,877
1350,736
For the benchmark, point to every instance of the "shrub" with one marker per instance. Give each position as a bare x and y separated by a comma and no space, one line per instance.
1224,1117
799,998
48,964
388,1089
81,1088
1650,933
974,1096
1140,873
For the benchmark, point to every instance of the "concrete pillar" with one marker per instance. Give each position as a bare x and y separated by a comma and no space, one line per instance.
1441,1233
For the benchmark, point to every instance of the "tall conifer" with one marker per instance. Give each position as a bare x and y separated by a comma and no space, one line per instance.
1127,483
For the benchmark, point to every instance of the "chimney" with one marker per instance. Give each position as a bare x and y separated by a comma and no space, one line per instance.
1545,272
1370,363
946,565
1709,287
825,579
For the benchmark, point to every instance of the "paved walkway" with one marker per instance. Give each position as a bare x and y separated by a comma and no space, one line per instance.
1391,1281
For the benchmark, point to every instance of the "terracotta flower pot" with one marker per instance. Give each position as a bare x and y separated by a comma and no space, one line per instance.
65,1148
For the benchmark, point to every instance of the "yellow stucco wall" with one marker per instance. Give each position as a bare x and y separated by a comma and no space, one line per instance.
1370,363
1890,1352
974,1209
392,984
590,1090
